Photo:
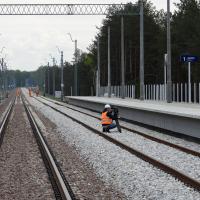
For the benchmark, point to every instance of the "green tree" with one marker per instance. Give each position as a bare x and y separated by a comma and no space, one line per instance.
185,38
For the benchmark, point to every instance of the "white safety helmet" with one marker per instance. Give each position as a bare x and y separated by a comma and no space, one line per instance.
107,106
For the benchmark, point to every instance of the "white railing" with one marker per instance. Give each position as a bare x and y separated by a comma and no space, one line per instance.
179,92
116,91
157,92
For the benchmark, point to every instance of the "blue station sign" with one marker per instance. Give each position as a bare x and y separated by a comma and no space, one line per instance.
189,58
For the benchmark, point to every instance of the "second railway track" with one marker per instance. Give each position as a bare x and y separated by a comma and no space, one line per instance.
179,147
5,120
168,169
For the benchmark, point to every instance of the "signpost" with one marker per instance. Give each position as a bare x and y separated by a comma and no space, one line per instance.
189,59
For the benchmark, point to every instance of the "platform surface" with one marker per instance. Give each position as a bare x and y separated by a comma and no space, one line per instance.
180,109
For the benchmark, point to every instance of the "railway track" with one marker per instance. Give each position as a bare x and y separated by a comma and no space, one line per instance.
61,187
166,168
175,146
5,120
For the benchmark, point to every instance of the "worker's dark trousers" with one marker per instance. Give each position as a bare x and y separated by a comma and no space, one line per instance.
111,126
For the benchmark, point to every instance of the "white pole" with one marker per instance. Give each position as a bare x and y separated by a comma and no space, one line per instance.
195,93
164,92
129,89
146,92
160,92
157,92
152,92
186,93
133,92
199,92
181,92
177,89
189,82
149,88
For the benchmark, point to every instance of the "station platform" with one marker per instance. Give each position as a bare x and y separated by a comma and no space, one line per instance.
180,118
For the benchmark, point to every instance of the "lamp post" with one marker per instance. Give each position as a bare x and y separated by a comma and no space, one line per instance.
44,81
109,74
4,73
122,59
53,61
1,80
3,77
6,79
62,79
3,65
169,81
98,69
48,78
141,50
62,84
75,67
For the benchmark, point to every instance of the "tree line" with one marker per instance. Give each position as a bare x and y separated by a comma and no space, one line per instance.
185,33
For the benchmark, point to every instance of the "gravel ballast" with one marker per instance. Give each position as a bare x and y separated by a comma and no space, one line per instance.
22,172
179,141
81,177
134,177
184,162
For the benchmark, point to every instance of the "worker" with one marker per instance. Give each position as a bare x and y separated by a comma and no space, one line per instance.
107,118
37,91
29,91
17,92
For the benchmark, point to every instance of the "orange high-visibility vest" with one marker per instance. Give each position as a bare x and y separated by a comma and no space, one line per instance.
17,92
105,119
29,90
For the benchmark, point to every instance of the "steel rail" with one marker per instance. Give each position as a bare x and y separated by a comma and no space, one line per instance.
175,146
5,120
61,188
160,165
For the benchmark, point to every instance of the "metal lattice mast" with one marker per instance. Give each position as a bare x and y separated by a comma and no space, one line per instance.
63,9
141,50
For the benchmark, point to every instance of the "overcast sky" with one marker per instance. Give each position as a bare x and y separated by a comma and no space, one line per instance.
30,39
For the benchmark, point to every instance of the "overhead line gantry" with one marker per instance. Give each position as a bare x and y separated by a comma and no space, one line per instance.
64,9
